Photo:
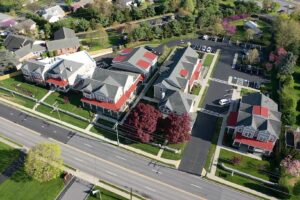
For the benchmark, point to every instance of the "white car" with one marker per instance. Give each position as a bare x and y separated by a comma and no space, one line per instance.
208,50
205,37
224,102
203,48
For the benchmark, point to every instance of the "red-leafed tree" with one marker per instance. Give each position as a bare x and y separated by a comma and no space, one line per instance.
143,118
177,127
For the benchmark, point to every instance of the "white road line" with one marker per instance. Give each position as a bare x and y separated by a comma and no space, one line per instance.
78,159
88,145
149,188
120,157
111,173
43,126
197,186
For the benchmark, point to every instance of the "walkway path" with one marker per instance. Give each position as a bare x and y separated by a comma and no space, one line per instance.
77,190
42,99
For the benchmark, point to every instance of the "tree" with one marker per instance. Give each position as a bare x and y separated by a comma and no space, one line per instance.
176,27
296,189
249,34
236,160
176,127
286,65
217,28
150,11
44,162
143,118
291,166
287,32
174,5
69,2
189,6
252,56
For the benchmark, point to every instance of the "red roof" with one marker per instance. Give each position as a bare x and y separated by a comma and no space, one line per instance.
143,64
150,55
259,110
184,72
196,74
232,119
119,58
114,106
253,142
126,51
58,82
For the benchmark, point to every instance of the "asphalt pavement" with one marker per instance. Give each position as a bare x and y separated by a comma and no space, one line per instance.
114,164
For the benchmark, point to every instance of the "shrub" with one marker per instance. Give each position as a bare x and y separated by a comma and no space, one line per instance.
236,160
296,189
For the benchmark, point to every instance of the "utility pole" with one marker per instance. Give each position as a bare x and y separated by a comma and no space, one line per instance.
116,128
56,109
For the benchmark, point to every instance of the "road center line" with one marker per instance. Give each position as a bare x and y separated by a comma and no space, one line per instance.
88,145
197,186
78,159
120,157
149,188
111,173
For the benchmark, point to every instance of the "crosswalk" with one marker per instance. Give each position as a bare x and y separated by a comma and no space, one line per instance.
219,80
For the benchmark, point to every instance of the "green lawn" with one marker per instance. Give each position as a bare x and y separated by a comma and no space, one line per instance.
248,165
249,183
174,156
105,122
203,97
7,156
105,195
63,117
21,187
18,84
213,144
245,91
196,89
208,60
297,91
17,99
74,105
113,136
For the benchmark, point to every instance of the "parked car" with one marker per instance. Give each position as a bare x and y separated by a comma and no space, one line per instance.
224,102
208,50
193,46
205,37
203,48
149,48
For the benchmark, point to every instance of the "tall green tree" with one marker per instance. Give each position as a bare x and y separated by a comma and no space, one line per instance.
188,5
44,162
287,32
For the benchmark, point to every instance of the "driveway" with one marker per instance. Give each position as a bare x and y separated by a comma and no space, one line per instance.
194,155
77,190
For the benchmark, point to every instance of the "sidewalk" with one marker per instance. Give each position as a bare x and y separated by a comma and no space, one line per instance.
70,126
42,99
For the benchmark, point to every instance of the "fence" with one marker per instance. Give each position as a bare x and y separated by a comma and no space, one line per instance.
6,76
20,94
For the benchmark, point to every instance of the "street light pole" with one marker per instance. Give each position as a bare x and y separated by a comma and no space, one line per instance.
116,128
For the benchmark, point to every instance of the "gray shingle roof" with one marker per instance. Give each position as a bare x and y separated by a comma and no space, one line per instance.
177,101
34,65
271,123
63,43
63,33
14,42
105,81
29,48
66,68
23,25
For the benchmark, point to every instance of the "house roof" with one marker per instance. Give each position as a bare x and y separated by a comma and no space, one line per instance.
65,68
5,17
139,59
64,33
177,101
27,23
292,138
14,42
34,65
53,11
62,43
253,142
30,48
180,69
260,112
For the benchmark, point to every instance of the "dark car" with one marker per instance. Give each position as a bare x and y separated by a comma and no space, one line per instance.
149,48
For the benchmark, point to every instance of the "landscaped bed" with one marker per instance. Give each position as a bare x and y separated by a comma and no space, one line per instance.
196,89
70,102
62,116
208,60
18,84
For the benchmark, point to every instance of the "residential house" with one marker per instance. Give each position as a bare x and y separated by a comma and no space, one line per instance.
24,27
138,60
36,70
256,125
65,41
292,139
31,51
253,26
53,14
6,21
80,4
14,42
64,73
109,92
176,80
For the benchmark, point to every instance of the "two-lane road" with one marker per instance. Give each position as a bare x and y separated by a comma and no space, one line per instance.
113,164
